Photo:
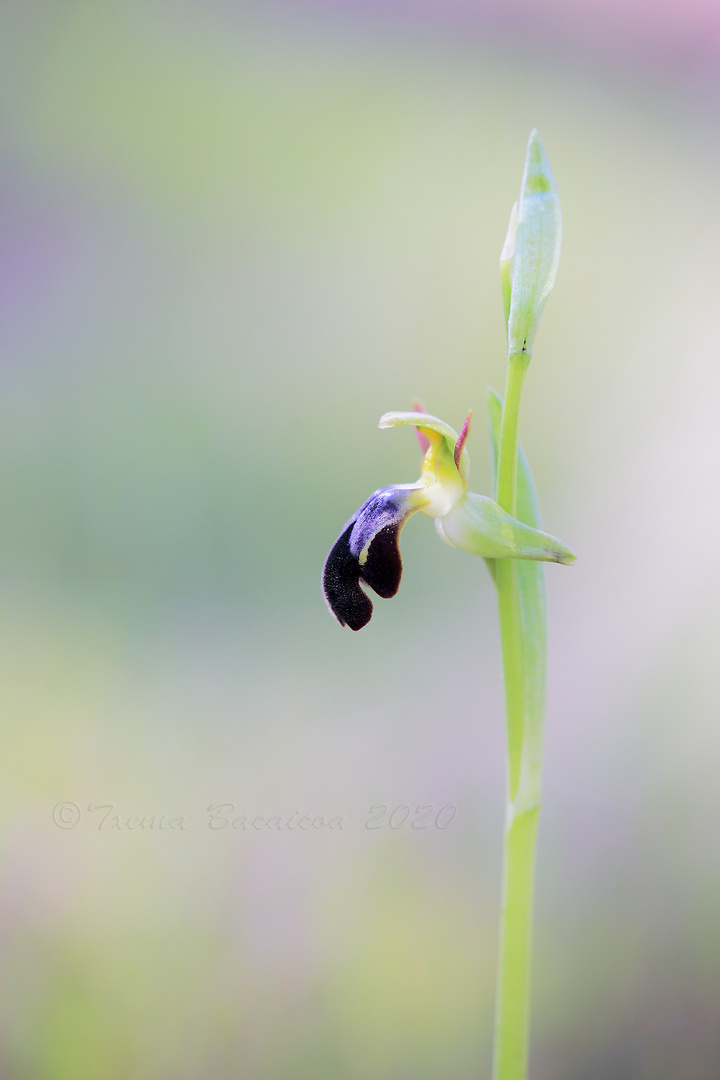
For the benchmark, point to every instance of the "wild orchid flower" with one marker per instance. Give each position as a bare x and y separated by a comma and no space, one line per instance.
367,549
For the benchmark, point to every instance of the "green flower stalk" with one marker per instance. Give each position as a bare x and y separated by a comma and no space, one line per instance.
505,530
528,264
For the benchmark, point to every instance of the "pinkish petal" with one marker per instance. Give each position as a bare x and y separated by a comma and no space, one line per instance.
422,439
460,444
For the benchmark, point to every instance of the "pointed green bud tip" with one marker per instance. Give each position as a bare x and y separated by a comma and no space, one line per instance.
536,252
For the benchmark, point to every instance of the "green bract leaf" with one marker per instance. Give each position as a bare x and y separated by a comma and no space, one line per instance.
537,249
531,580
528,507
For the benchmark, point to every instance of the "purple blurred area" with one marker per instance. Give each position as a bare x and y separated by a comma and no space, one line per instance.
662,32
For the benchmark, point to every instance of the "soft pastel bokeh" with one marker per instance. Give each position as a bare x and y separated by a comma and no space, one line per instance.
231,236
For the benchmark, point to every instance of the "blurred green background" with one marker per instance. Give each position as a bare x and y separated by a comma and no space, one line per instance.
231,236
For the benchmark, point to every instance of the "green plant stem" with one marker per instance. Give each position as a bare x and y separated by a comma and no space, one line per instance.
508,448
521,609
512,1012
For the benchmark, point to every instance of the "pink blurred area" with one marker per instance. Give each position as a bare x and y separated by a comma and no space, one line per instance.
667,30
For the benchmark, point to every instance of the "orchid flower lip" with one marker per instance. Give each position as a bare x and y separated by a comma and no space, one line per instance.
367,550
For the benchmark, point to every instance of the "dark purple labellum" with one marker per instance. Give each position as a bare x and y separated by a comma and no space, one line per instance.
382,569
341,585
